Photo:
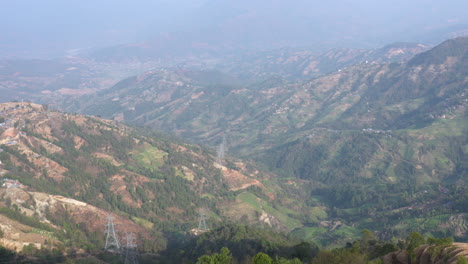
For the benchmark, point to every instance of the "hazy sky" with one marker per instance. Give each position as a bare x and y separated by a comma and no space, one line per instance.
34,26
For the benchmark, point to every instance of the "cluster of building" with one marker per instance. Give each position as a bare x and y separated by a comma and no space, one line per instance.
9,183
376,131
8,123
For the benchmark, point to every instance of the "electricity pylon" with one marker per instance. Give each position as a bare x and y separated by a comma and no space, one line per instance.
202,222
130,250
221,150
112,241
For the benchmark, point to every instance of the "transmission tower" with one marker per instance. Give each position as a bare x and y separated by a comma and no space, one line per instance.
221,150
225,146
175,130
130,250
202,222
112,241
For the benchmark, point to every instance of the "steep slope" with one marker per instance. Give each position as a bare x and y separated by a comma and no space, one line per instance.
74,170
37,217
203,105
431,84
431,254
371,141
64,79
296,64
383,132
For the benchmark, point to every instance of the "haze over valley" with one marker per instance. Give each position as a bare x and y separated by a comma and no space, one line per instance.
234,132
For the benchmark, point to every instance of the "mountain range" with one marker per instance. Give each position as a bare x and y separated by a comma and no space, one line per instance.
318,146
77,169
370,124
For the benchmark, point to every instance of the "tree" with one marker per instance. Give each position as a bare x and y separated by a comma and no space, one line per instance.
29,249
367,235
367,240
340,256
262,258
447,241
224,257
414,240
305,251
286,261
462,260
324,257
6,255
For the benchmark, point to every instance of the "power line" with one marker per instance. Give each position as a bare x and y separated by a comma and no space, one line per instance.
112,241
202,222
221,150
130,250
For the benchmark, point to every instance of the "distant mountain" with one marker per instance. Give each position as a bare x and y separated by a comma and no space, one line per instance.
196,27
221,27
370,145
435,35
48,80
54,81
203,104
296,64
369,140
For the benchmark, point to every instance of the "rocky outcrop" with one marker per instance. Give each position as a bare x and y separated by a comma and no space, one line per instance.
429,254
45,207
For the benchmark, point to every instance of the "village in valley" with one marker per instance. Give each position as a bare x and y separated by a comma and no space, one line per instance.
12,131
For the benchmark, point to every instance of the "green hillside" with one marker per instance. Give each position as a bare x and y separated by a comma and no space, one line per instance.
153,184
374,140
378,146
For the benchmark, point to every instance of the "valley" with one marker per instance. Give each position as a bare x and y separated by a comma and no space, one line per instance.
106,165
318,147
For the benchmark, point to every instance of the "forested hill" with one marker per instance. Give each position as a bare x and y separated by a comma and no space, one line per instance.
371,141
64,173
202,105
371,146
